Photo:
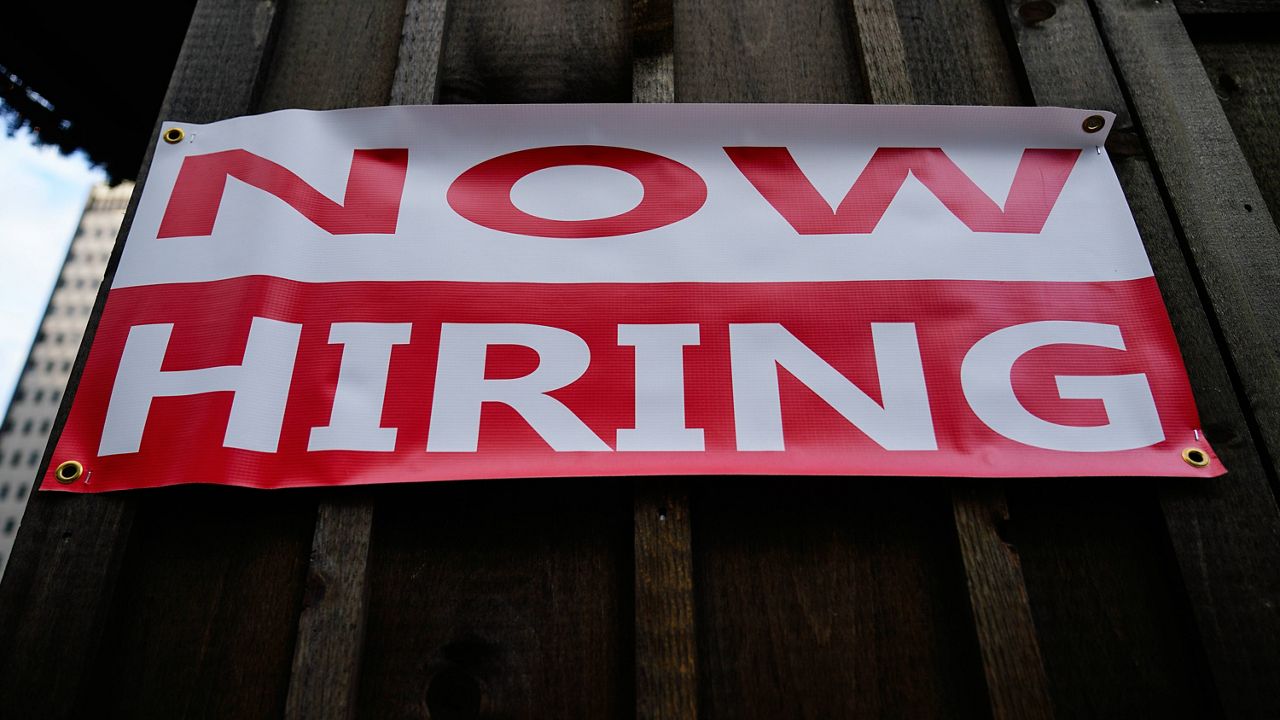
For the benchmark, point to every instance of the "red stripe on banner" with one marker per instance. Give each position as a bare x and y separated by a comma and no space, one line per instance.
817,325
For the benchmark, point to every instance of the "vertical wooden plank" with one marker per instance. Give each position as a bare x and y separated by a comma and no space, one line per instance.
61,579
508,598
1236,250
1011,661
1225,532
666,642
1240,54
1091,622
817,597
499,599
417,80
956,54
331,627
537,51
335,54
1114,627
881,56
215,583
652,64
326,655
313,68
665,637
755,51
831,597
207,599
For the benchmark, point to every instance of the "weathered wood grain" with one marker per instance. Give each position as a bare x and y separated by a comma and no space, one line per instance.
652,38
812,597
313,68
817,597
538,51
1240,55
666,683
1236,251
1076,620
331,627
1011,661
665,636
417,80
325,670
831,597
508,598
881,56
62,577
1118,640
757,51
500,599
1224,532
335,54
1226,7
203,619
956,54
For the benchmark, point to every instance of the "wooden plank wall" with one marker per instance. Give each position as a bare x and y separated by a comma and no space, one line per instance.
722,597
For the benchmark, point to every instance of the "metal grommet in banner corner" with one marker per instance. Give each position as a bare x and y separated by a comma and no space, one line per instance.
1195,457
1093,123
68,472
174,135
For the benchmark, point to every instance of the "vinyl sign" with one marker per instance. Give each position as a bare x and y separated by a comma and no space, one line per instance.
434,293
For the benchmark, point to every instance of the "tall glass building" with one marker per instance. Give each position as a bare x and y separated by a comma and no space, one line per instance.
35,401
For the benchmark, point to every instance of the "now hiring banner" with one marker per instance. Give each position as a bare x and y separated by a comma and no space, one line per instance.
404,294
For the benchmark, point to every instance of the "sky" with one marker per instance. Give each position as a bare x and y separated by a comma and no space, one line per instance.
42,194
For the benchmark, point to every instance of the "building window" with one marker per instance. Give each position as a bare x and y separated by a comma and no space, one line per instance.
39,396
7,426
4,491
9,525
45,425
16,459
26,426
55,396
22,491
34,458
66,366
19,394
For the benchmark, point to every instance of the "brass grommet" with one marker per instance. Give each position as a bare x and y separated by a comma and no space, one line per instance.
174,135
1091,124
1195,457
68,472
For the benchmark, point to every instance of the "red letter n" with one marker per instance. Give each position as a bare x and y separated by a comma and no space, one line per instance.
1036,186
371,205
